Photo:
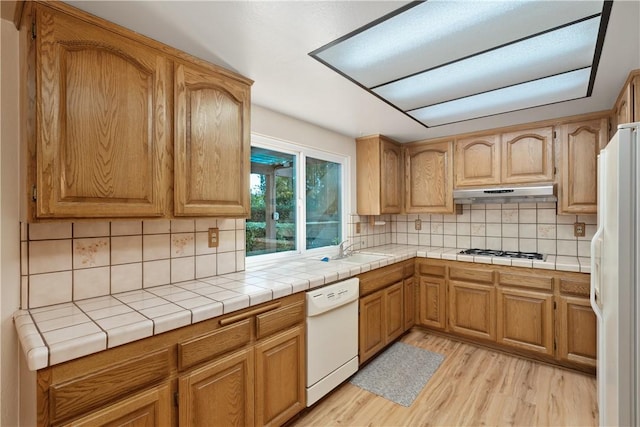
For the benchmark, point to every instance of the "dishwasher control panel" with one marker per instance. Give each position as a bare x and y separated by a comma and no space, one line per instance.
328,297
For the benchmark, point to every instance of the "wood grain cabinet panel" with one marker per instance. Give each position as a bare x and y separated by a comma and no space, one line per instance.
525,320
477,161
394,311
409,303
429,178
433,302
103,138
220,393
581,143
527,156
577,331
372,325
472,309
151,408
280,377
212,144
378,175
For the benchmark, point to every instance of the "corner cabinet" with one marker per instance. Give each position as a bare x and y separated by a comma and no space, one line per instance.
212,144
580,144
429,178
116,122
378,175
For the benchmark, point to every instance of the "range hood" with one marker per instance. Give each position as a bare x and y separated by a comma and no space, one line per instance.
538,194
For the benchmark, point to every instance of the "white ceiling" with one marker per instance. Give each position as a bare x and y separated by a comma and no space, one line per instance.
269,42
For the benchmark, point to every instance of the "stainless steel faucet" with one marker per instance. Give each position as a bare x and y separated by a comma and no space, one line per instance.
343,251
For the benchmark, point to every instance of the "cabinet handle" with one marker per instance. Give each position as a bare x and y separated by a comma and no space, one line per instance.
233,319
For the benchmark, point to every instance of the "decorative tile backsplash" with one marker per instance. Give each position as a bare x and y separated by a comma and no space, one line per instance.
64,262
526,227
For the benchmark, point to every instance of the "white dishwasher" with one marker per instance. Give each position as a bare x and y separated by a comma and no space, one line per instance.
332,337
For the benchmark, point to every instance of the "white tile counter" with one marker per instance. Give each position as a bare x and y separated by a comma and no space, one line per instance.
58,333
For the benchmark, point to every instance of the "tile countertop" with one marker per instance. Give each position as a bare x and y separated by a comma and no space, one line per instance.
58,333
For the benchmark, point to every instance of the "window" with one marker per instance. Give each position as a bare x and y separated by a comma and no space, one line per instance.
297,198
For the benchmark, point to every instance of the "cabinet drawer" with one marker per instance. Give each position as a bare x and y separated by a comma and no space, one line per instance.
381,278
96,389
576,286
431,270
409,269
279,319
525,281
471,275
208,346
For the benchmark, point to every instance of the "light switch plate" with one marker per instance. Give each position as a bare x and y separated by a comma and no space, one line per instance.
213,237
579,229
357,228
418,224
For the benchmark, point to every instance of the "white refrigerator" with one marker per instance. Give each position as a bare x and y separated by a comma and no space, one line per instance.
615,295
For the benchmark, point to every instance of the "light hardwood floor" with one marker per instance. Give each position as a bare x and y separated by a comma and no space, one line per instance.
474,386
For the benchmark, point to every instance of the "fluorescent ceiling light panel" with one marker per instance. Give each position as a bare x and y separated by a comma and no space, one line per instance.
442,55
555,52
572,85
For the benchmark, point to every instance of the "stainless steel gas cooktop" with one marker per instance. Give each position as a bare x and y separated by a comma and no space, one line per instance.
506,254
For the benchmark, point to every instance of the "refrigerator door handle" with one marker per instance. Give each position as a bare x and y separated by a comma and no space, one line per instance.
596,258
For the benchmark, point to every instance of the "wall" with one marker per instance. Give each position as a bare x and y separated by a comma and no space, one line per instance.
525,227
9,220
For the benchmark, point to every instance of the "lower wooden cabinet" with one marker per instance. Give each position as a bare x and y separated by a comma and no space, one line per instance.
472,309
220,393
280,377
241,369
577,331
384,316
432,307
409,303
525,320
146,409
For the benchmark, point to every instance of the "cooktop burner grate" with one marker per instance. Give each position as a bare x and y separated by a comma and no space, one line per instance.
506,254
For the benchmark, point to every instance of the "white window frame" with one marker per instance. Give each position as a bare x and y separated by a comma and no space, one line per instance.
301,152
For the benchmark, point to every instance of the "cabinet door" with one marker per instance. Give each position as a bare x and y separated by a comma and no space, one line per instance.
212,144
372,325
409,303
220,393
378,176
525,320
581,142
394,302
147,409
433,302
477,161
280,377
577,331
429,178
527,156
472,309
390,178
102,147
623,111
636,98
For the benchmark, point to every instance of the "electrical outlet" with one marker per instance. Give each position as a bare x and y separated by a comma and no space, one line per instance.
213,237
357,228
418,224
578,229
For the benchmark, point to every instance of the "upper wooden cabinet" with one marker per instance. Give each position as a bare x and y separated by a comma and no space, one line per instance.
378,175
477,161
519,157
429,178
627,106
212,144
580,144
102,126
527,156
109,112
